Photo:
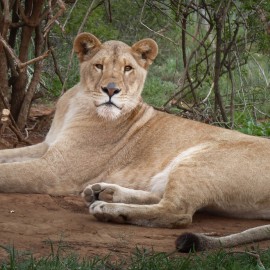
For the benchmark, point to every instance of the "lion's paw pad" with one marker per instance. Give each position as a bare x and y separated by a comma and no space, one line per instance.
97,192
88,195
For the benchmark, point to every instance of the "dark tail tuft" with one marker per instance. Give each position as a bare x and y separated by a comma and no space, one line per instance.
188,242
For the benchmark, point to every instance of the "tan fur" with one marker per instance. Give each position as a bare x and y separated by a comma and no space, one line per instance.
137,165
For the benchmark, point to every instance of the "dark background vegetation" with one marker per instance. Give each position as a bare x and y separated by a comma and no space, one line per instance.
213,64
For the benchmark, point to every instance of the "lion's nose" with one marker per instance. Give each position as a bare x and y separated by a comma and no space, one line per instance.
111,89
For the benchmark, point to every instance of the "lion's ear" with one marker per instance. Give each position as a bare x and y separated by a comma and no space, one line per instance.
147,50
84,44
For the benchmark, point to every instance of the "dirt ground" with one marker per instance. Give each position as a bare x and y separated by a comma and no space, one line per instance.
30,222
33,222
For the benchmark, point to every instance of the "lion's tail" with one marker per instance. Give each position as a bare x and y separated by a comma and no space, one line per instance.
198,241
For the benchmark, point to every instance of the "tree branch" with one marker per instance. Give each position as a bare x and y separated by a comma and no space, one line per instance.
53,19
21,66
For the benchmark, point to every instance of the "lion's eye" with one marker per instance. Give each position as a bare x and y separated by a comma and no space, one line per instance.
99,66
128,68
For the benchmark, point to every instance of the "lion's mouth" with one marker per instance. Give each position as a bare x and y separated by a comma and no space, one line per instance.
109,104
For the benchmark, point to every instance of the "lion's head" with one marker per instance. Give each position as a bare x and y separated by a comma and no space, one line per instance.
114,73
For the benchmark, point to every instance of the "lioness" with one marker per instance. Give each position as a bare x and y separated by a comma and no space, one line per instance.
134,164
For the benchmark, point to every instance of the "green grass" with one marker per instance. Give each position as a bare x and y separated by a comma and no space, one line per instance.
248,125
141,259
256,129
156,91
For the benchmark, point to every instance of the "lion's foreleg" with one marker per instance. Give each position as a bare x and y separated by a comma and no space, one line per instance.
110,202
155,215
117,194
23,153
25,177
50,175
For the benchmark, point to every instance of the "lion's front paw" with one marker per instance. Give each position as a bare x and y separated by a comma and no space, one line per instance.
98,192
104,211
98,210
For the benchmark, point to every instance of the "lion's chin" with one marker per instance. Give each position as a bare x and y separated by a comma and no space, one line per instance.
108,112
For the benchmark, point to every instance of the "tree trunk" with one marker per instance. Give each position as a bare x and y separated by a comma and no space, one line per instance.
19,86
4,88
22,118
4,25
218,97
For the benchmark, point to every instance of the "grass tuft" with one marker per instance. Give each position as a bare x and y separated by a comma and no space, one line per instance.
140,259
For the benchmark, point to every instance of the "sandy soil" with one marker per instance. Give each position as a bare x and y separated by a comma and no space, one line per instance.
30,222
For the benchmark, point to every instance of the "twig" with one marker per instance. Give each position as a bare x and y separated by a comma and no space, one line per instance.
9,50
208,95
34,60
55,17
265,114
182,79
157,33
21,65
56,68
28,129
261,69
69,14
241,80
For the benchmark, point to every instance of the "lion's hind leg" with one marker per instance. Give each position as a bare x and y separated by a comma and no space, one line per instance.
112,193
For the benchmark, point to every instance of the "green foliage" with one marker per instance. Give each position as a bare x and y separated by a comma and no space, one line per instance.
97,23
257,129
257,29
160,84
249,126
157,91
